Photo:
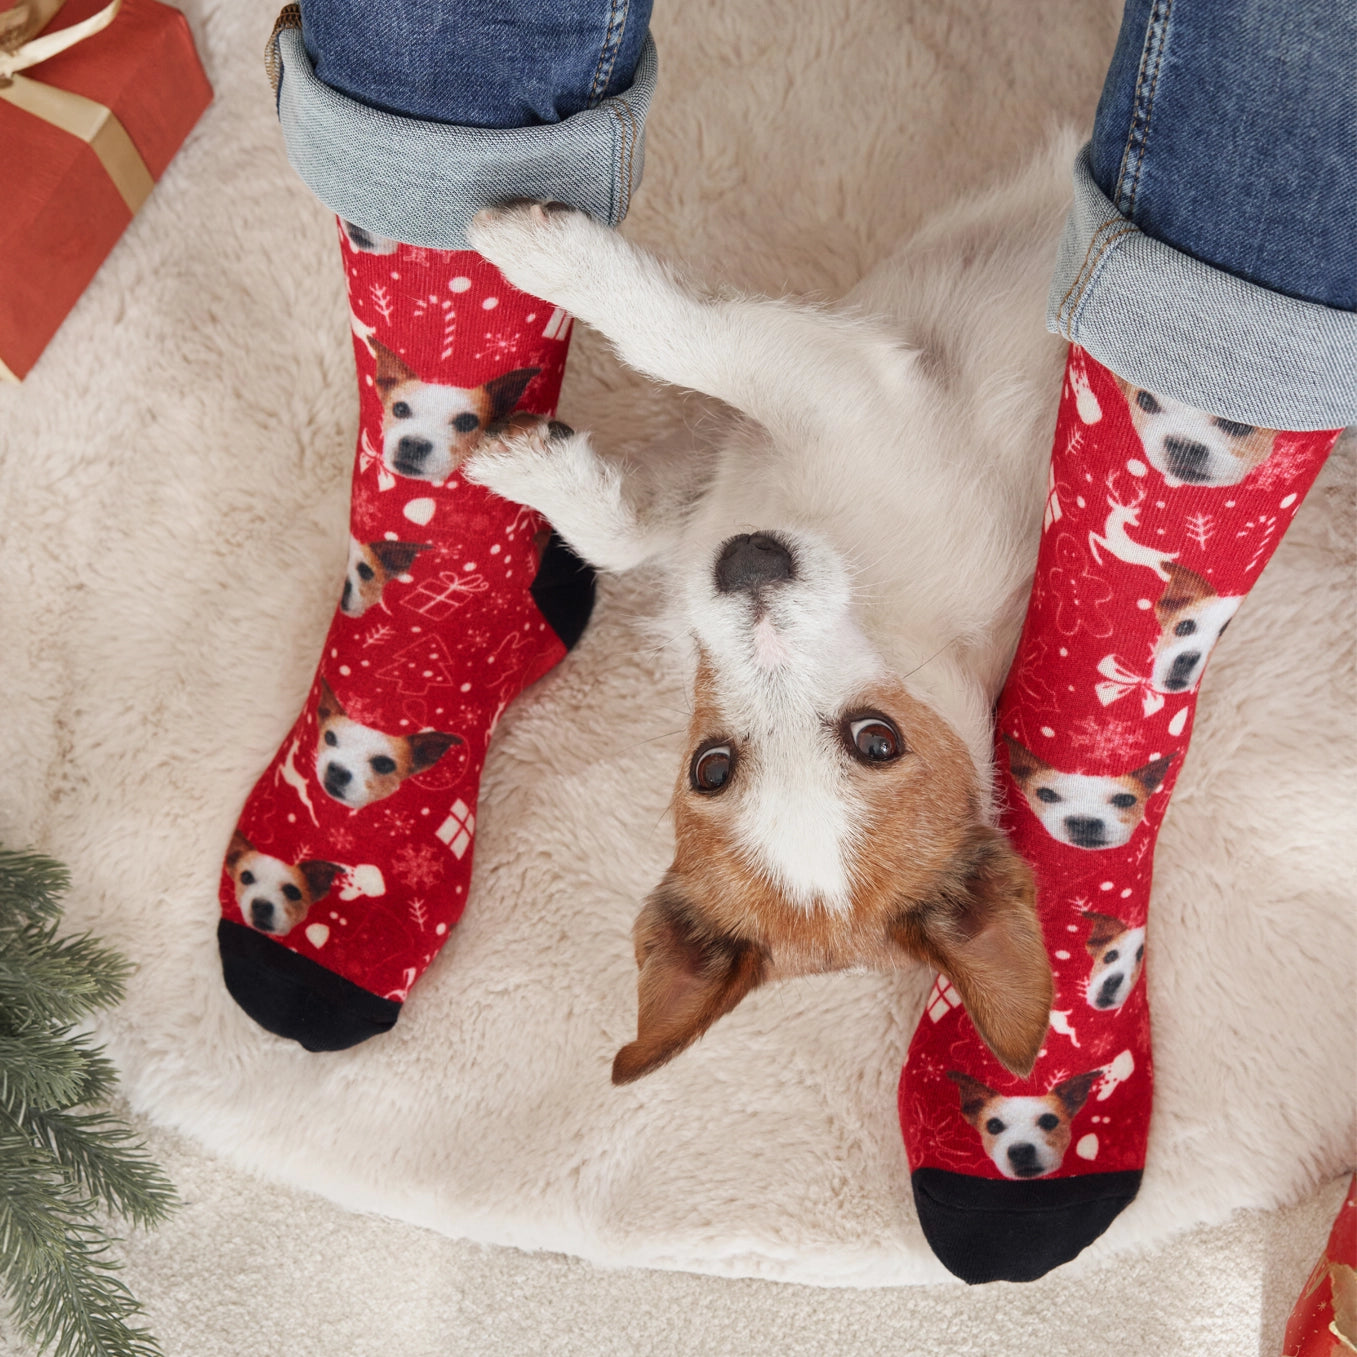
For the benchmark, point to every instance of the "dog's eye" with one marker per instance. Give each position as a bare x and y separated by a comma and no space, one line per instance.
292,892
1046,794
401,410
331,738
994,1126
1048,1121
1147,403
382,764
365,571
464,423
1123,800
1234,430
1110,957
873,739
1140,952
711,768
1185,628
247,878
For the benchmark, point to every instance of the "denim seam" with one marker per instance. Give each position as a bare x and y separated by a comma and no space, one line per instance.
1078,289
628,119
1142,106
1086,286
607,56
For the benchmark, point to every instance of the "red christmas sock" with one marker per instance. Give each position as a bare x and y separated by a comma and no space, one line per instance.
351,860
1323,1322
1158,521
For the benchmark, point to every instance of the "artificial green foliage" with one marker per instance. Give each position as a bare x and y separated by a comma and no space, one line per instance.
64,1166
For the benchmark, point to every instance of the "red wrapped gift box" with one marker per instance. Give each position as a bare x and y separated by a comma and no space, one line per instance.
71,182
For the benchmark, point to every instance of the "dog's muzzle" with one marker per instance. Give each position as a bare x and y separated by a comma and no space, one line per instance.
750,561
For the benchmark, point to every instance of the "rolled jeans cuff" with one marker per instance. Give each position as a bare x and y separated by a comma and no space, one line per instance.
421,182
1181,328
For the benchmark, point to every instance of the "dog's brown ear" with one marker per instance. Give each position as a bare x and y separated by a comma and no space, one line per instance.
1022,763
503,392
391,370
327,705
1105,928
397,557
320,876
428,746
974,1095
1073,1093
1184,588
237,849
980,930
689,977
1152,775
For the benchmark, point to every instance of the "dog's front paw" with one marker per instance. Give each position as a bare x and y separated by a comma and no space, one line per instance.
539,247
519,458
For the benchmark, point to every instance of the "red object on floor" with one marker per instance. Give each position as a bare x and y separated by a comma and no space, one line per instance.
1324,1321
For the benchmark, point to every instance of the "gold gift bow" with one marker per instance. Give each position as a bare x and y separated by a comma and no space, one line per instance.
94,123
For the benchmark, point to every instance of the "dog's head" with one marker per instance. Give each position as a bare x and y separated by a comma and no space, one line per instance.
1082,810
274,896
1025,1137
825,819
1192,617
1118,954
357,765
429,430
1192,448
371,564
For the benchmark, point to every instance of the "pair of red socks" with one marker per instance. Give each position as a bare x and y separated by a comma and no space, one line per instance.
352,858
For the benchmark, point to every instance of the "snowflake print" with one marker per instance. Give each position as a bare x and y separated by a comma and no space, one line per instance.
499,346
1291,459
439,597
1105,741
418,867
342,840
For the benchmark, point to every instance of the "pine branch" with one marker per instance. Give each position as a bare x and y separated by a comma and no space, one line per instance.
31,886
44,979
50,1067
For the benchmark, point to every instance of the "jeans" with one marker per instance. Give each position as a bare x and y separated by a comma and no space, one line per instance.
1210,254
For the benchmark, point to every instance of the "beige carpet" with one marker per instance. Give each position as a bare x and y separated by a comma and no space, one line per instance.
174,477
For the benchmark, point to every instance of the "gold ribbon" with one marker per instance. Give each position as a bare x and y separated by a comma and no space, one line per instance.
94,123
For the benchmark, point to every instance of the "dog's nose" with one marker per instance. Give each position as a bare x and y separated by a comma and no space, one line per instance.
412,450
336,779
1107,991
261,914
1023,1158
750,561
1085,831
1181,671
1187,458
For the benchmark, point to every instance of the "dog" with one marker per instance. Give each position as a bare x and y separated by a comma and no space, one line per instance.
428,429
1188,447
1083,810
357,765
1118,954
371,564
1025,1137
364,241
1192,618
274,896
845,572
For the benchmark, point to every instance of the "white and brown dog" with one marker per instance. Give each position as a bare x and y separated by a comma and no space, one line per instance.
1025,1137
274,896
371,565
1082,809
1192,617
1188,447
357,765
427,429
850,563
1118,953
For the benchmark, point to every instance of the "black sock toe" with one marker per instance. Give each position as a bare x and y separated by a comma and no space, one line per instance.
295,997
564,591
992,1230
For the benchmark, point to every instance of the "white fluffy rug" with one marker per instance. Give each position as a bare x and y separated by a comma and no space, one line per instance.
173,478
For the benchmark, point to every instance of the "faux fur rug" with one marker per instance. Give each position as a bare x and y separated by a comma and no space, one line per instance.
174,479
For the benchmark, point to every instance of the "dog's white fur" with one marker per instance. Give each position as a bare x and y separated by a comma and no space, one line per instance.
897,445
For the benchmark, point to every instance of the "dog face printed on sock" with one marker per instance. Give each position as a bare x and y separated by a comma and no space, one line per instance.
1118,954
367,242
357,765
1192,617
1025,1137
1081,810
371,564
1192,448
428,430
274,896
